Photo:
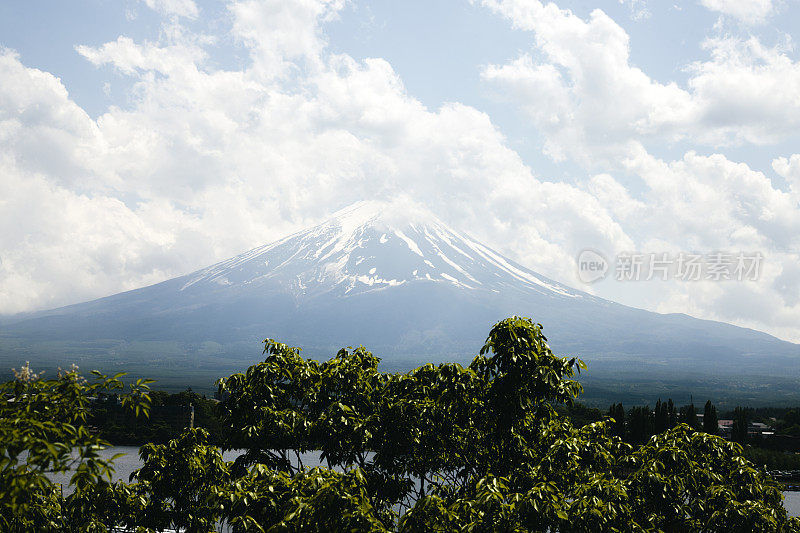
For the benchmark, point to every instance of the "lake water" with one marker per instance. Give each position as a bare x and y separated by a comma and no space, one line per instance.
792,502
130,462
125,465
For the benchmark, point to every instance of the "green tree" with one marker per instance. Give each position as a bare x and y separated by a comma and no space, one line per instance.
475,449
640,425
178,484
692,481
740,423
441,448
314,500
661,417
710,422
672,414
688,415
42,432
617,413
523,379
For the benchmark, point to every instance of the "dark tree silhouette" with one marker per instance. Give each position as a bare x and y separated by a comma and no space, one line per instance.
710,422
661,417
688,416
739,429
617,412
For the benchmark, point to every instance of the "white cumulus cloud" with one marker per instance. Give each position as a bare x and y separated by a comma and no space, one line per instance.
746,11
204,162
208,162
590,101
594,107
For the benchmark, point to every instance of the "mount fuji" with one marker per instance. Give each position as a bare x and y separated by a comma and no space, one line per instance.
402,283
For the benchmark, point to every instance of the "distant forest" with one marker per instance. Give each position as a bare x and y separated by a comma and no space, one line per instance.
779,450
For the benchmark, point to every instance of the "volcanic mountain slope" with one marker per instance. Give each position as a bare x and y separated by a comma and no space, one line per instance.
404,284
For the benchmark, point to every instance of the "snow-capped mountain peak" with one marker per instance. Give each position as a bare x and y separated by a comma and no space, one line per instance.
392,277
374,246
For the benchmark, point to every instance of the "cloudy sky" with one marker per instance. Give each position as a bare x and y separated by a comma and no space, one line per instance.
140,140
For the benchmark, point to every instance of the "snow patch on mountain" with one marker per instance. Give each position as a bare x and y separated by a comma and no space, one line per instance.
376,246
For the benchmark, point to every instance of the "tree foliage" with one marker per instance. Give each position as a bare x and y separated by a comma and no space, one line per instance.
441,448
43,431
740,424
710,419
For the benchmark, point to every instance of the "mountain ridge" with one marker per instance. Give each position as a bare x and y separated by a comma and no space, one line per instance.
356,228
392,277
